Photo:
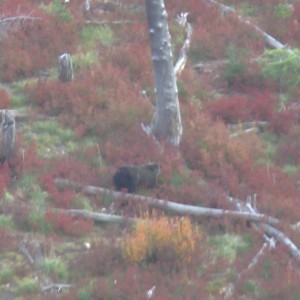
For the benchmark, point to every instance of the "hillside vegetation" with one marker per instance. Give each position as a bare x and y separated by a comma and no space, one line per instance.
240,151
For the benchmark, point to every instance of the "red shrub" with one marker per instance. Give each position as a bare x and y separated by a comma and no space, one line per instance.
63,199
234,109
37,44
29,161
289,149
134,56
213,34
112,106
230,110
207,147
4,99
284,120
68,224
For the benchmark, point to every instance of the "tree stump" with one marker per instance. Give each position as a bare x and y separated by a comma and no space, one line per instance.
65,68
8,135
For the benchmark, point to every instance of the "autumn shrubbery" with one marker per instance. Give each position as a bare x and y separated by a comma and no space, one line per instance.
37,44
210,42
67,224
208,148
4,99
151,238
103,102
282,121
257,106
289,149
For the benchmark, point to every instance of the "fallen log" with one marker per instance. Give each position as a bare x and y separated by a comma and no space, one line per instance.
170,206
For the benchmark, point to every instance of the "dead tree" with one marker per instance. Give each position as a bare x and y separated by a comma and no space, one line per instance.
65,68
8,135
167,124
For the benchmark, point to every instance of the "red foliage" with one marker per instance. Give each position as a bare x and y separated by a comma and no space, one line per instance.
4,99
68,224
37,44
250,107
29,160
8,241
111,106
277,193
213,34
60,198
289,150
284,120
207,147
135,58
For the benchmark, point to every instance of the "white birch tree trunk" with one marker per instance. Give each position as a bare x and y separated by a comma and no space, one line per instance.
167,125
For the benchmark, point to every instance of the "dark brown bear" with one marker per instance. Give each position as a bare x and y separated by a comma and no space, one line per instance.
132,177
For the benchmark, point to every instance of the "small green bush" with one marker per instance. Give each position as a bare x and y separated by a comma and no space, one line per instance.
282,65
6,274
54,266
283,10
28,286
6,222
234,71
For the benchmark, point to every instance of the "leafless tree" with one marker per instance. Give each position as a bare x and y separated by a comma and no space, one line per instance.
167,123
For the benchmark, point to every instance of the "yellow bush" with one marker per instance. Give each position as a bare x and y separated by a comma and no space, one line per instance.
153,235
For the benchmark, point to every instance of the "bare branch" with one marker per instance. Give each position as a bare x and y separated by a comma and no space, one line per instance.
106,22
57,287
181,61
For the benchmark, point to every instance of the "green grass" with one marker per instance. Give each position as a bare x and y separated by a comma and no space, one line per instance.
290,169
37,198
51,138
247,10
55,266
83,294
28,285
91,36
85,60
82,202
230,246
57,8
6,274
6,222
18,100
8,197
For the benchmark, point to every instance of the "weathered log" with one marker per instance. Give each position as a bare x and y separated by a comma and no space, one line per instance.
264,222
65,68
173,207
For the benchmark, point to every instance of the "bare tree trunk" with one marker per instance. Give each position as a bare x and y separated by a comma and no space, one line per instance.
167,125
8,135
65,68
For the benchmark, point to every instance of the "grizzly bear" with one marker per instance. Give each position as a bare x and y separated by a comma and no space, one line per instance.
132,177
